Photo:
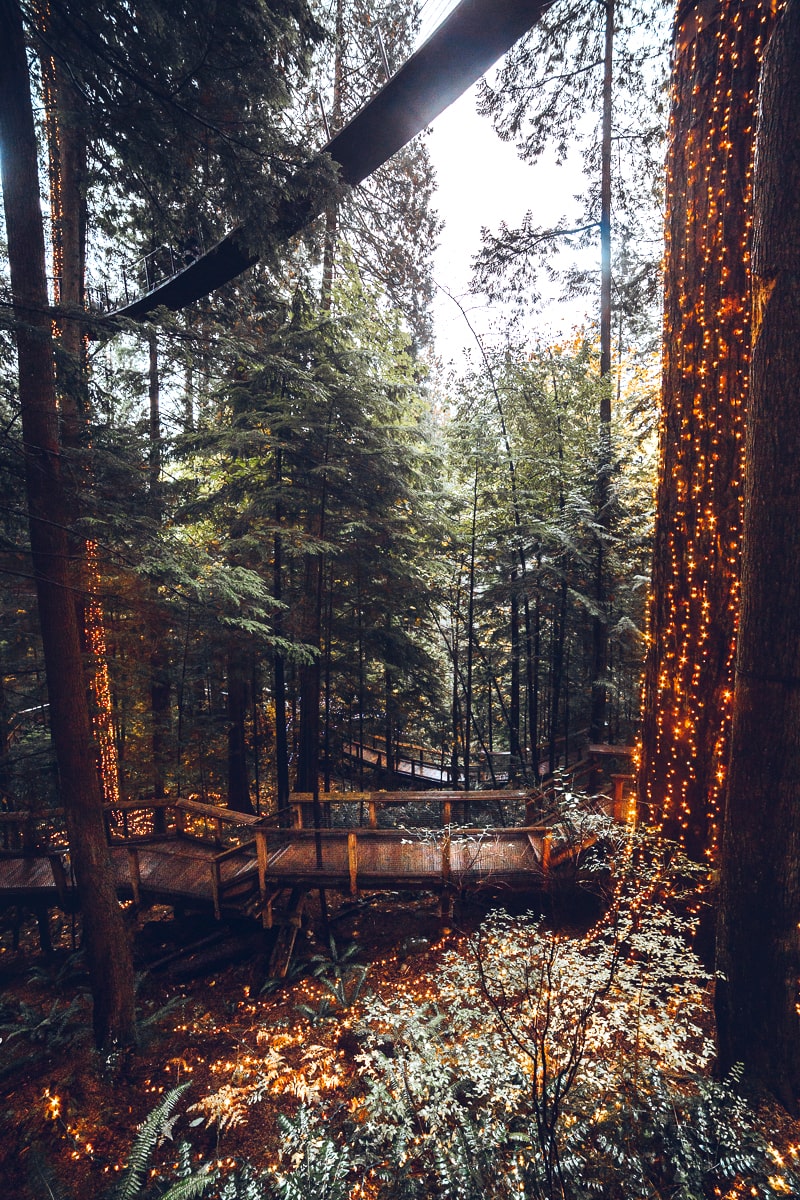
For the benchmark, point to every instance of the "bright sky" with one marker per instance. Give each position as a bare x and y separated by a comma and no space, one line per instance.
482,182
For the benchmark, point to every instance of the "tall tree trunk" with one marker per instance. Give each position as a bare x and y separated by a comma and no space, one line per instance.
279,673
362,692
759,945
107,949
391,750
706,356
603,482
309,674
255,708
67,155
470,630
159,663
455,714
535,672
331,214
327,725
238,676
559,633
514,738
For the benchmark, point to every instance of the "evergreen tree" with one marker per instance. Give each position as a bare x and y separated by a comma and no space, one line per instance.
108,953
584,58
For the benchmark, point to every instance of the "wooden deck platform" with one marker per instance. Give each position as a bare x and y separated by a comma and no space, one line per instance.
212,859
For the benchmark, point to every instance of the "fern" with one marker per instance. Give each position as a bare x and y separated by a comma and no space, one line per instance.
43,1180
319,1167
154,1129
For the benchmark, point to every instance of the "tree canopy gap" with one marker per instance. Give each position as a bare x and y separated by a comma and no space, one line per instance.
467,43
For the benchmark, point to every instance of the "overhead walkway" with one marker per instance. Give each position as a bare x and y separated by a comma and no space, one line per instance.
467,43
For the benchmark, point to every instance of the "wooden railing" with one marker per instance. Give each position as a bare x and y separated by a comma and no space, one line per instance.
371,802
186,814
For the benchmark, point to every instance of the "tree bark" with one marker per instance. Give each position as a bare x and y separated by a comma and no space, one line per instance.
514,715
597,732
159,662
279,673
759,945
108,953
694,602
67,160
238,673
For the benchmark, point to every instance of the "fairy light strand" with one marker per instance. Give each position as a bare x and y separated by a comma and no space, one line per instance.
94,617
695,600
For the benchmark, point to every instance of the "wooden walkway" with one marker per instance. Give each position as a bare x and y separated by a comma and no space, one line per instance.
225,863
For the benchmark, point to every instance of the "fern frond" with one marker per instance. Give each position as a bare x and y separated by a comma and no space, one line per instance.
147,1138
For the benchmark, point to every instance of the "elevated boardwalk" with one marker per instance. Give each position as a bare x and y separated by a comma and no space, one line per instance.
226,863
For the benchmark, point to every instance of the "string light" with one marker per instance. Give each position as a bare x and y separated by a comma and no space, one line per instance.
694,607
94,618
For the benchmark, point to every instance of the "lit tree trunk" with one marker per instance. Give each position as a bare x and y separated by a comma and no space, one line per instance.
759,945
107,949
310,679
559,637
67,152
694,603
455,714
327,729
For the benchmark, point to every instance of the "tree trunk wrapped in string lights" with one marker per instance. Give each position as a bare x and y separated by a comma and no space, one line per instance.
67,161
718,49
758,948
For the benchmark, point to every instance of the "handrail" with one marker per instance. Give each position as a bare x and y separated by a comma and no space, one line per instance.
375,800
439,796
216,812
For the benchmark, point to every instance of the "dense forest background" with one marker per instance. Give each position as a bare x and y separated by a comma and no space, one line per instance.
282,489
243,538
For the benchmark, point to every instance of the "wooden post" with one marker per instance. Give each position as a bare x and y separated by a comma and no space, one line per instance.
619,810
352,861
135,874
445,903
215,888
447,813
373,814
546,841
180,819
59,879
261,851
297,815
28,833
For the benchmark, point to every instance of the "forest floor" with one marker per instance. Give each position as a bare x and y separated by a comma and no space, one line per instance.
65,1107
66,1111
